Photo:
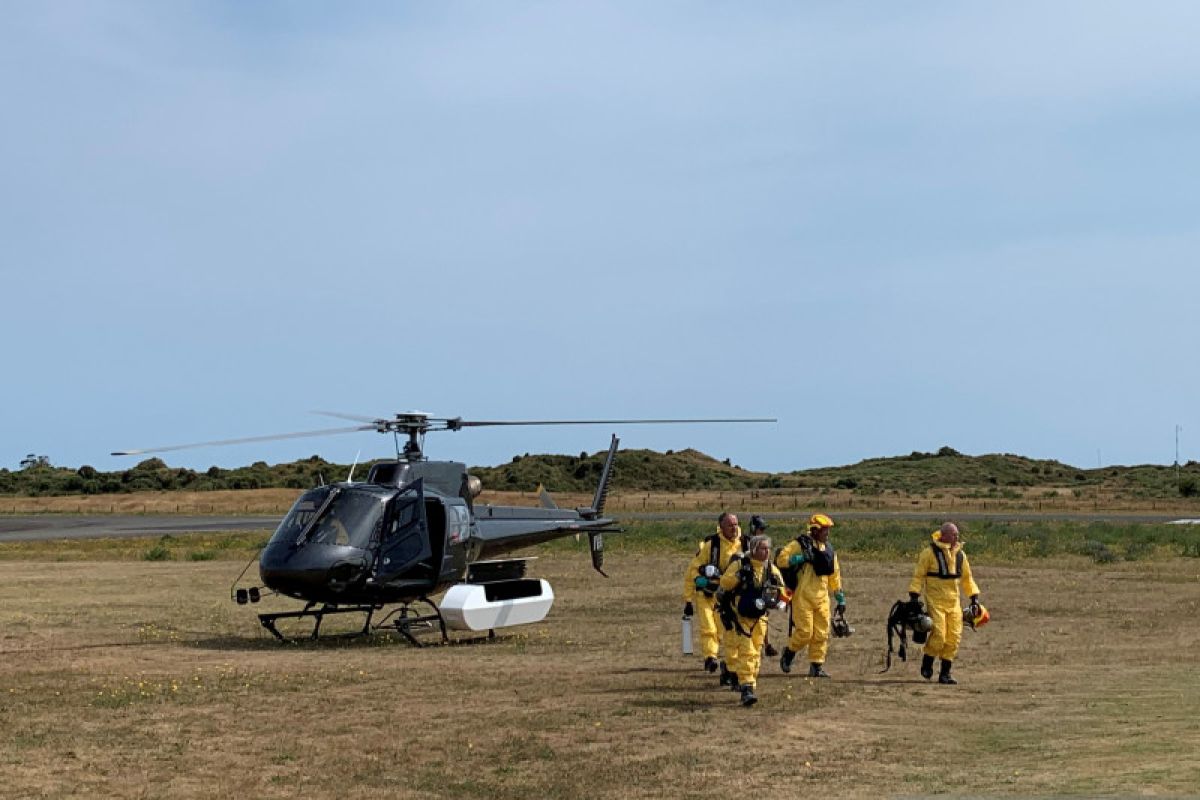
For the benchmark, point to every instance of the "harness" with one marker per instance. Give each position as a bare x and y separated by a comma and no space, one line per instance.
821,560
904,615
754,600
714,557
943,570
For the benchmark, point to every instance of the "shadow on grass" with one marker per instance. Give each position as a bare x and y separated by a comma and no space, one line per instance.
67,648
684,704
348,641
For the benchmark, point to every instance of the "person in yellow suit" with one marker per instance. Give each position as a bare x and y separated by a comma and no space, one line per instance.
701,580
943,572
750,586
811,559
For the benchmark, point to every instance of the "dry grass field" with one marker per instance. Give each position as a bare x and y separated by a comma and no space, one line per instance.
136,679
278,501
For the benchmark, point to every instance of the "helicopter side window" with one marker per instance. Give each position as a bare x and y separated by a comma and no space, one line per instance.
458,523
404,539
405,543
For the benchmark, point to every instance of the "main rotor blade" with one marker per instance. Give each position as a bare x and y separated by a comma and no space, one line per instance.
340,415
478,423
246,440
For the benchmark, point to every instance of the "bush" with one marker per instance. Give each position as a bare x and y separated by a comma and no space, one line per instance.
1138,549
201,555
1188,487
157,553
1098,552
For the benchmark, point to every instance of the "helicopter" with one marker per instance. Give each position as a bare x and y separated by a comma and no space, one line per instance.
413,530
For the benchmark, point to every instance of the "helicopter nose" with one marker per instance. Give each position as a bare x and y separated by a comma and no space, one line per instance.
311,573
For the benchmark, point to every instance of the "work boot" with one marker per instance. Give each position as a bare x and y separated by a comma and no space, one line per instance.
945,676
733,682
785,661
710,664
815,671
749,698
726,675
770,651
927,667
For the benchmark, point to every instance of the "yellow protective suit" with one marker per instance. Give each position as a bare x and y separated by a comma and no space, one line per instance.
711,629
810,604
942,596
745,656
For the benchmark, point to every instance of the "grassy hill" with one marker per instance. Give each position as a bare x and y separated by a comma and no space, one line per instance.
917,473
647,470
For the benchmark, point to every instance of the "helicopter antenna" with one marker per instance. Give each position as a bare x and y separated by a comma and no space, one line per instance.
350,477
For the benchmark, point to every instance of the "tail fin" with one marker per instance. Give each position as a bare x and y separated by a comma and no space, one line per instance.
595,540
605,477
545,498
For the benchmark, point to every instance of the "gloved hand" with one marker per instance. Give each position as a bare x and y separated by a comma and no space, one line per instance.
687,609
839,597
796,560
840,610
701,582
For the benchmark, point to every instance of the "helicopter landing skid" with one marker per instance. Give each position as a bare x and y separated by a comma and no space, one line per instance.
408,623
268,620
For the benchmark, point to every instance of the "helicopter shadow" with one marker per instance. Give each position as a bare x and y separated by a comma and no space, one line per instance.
356,641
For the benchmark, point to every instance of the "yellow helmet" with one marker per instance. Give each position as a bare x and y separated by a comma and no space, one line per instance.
975,616
819,521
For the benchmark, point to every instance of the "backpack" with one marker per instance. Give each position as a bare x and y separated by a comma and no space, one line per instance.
756,600
821,560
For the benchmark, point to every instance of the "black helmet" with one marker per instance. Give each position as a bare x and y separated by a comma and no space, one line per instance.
841,628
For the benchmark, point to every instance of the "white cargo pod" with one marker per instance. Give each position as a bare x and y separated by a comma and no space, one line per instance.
499,604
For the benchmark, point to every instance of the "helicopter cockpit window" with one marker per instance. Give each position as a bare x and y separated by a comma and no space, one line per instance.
330,515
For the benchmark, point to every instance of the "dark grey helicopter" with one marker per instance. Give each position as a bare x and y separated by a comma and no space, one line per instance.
413,530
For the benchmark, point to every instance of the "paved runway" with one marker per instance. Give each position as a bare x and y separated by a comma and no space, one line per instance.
77,526
32,527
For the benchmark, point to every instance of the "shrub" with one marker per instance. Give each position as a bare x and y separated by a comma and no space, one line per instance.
157,553
1138,549
1189,487
1098,552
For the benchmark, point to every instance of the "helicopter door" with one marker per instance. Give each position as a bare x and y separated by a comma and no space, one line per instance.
406,535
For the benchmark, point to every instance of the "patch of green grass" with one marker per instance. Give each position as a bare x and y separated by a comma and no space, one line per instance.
157,553
992,540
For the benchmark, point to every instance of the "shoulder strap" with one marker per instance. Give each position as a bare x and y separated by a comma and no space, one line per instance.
943,569
745,571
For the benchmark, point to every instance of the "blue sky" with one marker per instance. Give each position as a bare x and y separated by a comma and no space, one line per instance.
892,226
